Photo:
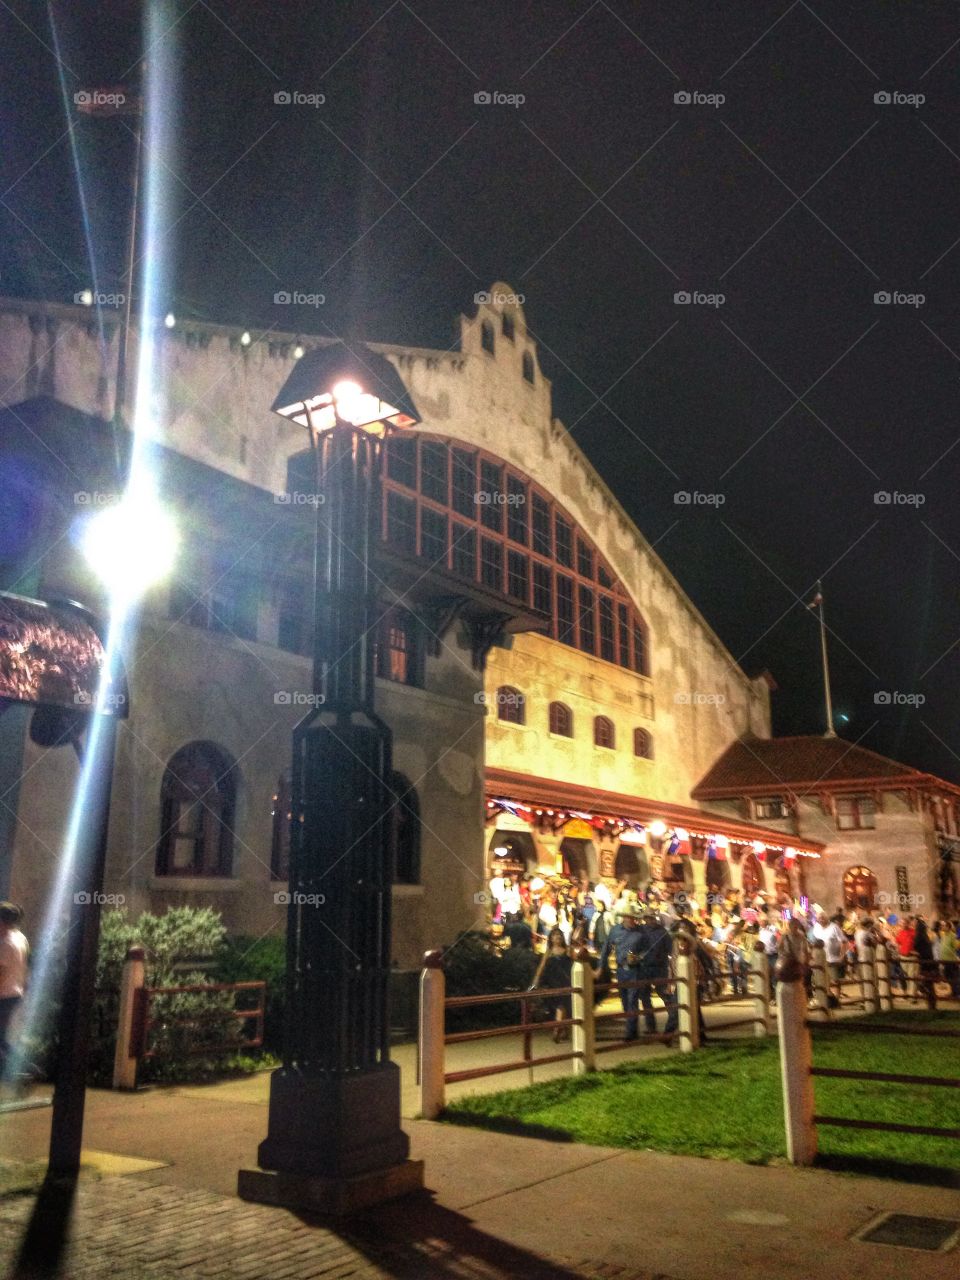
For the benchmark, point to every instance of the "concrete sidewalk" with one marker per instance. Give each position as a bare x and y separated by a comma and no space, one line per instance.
499,1206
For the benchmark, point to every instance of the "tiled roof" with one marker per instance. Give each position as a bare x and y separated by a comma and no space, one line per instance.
755,764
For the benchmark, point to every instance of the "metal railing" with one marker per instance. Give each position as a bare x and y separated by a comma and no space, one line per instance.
144,1023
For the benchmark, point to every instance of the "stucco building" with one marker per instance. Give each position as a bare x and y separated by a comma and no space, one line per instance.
555,697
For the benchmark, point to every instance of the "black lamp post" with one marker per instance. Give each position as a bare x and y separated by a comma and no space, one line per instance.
334,1141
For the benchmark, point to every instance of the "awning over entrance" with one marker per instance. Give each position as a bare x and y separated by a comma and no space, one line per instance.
533,798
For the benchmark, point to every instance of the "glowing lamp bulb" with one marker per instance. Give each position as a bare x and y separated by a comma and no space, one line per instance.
501,851
169,320
130,546
245,338
298,352
657,828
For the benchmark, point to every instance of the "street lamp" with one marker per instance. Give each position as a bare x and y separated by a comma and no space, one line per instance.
334,1141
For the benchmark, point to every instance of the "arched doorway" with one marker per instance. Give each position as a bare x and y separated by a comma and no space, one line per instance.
859,888
579,858
631,865
511,853
751,875
717,875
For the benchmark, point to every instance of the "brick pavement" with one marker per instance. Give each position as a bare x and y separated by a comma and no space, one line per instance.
126,1229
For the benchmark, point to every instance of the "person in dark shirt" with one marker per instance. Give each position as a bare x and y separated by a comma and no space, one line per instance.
656,949
625,943
519,932
555,971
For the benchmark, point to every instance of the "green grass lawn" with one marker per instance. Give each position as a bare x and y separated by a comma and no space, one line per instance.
725,1102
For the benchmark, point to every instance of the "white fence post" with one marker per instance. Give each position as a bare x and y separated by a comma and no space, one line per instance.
433,987
911,967
796,1058
821,986
882,967
133,980
687,994
760,988
584,1027
867,966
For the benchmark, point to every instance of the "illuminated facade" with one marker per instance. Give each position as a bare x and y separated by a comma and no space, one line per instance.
551,689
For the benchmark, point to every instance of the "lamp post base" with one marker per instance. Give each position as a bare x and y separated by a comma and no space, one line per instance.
334,1142
335,1196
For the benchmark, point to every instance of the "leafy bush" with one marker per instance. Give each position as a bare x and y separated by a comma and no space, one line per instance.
243,959
476,966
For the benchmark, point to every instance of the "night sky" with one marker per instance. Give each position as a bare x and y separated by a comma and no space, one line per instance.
798,198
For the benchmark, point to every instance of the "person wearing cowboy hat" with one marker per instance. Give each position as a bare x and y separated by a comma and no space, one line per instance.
625,944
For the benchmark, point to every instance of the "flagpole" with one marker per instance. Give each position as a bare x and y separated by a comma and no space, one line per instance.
827,699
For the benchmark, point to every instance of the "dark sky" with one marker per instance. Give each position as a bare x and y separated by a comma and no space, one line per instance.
797,198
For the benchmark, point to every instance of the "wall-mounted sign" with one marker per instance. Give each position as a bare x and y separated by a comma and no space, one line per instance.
577,829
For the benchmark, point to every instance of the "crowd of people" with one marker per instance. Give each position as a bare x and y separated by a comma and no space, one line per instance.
630,932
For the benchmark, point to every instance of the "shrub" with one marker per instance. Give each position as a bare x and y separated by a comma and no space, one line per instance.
476,966
264,959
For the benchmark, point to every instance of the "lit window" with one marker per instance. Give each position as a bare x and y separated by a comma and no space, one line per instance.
398,651
604,733
771,807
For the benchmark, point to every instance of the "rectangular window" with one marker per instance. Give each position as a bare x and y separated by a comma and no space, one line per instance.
398,648
433,471
584,559
856,813
518,576
433,536
564,542
566,630
491,564
639,650
516,510
623,636
542,541
771,807
465,551
401,523
607,649
402,462
465,483
542,589
585,619
490,495
603,576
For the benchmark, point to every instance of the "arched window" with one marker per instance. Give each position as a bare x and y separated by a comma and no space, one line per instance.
511,705
751,875
197,805
406,817
604,732
280,830
528,373
486,336
561,719
859,888
642,744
